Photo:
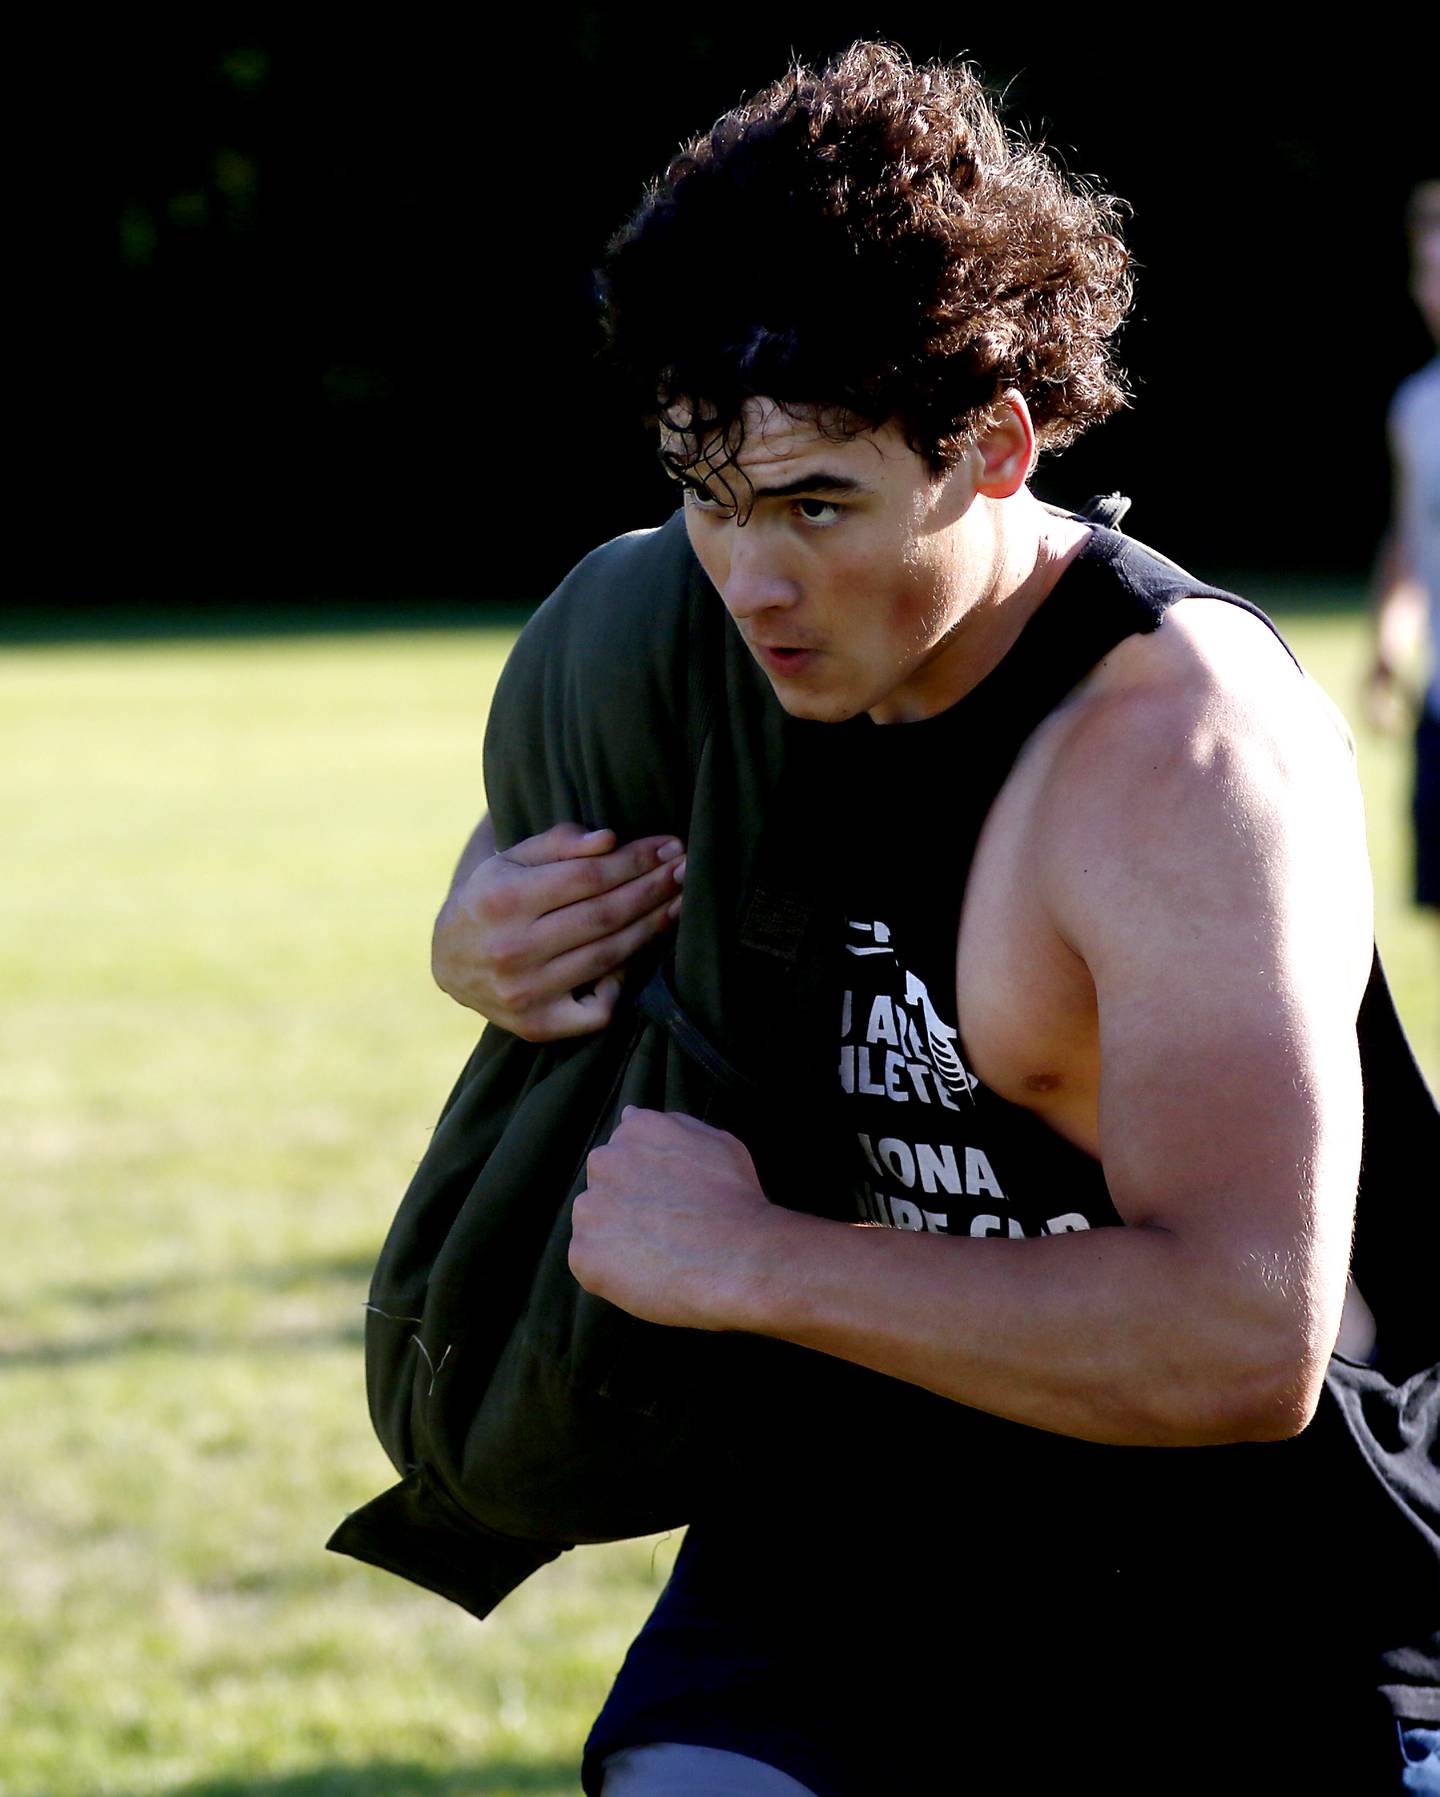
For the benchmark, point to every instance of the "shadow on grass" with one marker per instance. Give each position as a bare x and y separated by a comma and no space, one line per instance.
399,1778
282,1277
189,1342
152,1336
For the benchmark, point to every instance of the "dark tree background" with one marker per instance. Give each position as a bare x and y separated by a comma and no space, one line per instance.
307,309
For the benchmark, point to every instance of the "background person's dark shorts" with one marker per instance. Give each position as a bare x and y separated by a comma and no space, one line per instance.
1427,810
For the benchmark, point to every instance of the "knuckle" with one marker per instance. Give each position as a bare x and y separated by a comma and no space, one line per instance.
588,964
613,911
515,994
592,877
494,902
506,952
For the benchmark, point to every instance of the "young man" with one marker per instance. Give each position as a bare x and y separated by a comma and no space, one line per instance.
1092,855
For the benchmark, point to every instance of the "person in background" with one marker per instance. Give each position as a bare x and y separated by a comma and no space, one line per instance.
1407,599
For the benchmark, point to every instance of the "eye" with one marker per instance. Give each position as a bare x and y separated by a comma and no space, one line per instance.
703,500
819,511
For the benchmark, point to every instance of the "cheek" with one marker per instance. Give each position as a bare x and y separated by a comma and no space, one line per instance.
912,604
917,605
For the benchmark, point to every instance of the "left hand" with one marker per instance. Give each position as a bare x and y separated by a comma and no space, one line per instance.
672,1222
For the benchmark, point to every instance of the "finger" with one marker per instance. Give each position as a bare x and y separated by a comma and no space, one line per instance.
638,1119
527,983
573,1014
523,893
598,1004
559,843
574,880
606,992
570,842
591,961
558,1021
592,920
530,889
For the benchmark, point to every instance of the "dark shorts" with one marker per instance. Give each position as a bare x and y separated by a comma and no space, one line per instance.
1427,810
671,1771
956,1702
666,1769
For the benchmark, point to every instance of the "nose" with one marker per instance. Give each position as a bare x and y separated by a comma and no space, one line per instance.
755,578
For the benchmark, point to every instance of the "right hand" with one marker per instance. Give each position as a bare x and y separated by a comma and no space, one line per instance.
1390,706
559,911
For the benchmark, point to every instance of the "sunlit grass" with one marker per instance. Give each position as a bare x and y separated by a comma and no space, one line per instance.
219,1060
220,1057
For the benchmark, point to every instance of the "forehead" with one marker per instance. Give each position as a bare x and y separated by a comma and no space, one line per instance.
781,443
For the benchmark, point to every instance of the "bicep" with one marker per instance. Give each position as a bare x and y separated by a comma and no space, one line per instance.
1230,1105
1228,942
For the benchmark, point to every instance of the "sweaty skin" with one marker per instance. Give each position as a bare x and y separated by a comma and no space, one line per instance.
1164,943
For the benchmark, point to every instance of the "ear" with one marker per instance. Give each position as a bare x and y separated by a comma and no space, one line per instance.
1006,448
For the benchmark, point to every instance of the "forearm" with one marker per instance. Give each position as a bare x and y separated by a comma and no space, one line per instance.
1115,1335
480,847
1397,608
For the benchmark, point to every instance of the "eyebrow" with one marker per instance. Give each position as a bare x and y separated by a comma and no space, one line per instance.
819,482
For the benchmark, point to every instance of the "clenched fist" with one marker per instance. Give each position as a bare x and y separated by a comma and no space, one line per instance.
673,1225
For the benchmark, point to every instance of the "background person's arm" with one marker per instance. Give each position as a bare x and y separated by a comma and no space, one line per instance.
535,937
1397,610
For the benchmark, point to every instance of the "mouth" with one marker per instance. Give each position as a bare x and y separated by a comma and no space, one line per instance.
782,659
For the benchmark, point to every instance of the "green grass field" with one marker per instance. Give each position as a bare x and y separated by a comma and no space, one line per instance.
220,1057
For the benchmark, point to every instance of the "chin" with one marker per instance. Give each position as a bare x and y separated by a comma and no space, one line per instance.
816,708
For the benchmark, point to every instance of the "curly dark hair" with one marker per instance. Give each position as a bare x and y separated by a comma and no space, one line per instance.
867,244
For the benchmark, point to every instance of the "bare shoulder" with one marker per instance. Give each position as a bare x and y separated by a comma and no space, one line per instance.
1211,670
1200,780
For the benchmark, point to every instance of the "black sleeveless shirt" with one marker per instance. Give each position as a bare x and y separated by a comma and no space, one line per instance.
934,1149
900,1590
